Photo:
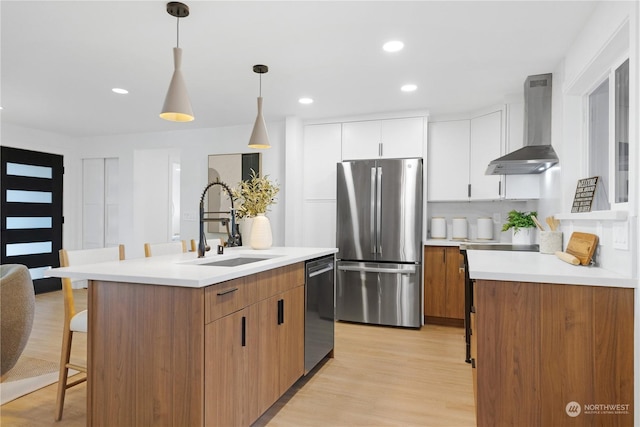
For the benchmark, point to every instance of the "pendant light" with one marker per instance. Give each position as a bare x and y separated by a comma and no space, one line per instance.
259,137
177,107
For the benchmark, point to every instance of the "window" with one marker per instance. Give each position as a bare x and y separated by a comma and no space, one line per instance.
608,106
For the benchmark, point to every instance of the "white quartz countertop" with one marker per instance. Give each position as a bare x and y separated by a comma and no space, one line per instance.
184,270
452,242
517,266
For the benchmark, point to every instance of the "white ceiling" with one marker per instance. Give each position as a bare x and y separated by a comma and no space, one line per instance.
61,59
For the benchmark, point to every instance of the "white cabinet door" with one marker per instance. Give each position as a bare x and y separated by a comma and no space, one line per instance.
448,160
485,145
361,140
402,138
518,186
320,155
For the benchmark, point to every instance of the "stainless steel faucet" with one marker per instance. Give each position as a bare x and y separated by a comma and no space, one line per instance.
234,235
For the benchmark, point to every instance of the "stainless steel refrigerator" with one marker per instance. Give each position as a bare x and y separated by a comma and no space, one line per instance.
379,238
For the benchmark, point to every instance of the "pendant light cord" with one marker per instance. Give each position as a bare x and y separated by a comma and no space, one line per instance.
178,32
261,85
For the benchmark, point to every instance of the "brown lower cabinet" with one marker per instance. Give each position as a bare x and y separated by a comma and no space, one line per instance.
174,356
552,355
443,283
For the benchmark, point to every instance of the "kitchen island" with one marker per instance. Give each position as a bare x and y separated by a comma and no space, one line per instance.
180,341
551,343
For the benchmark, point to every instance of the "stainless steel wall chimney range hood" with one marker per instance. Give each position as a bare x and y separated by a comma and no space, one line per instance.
537,155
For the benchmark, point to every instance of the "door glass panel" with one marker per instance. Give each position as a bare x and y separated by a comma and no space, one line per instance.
16,249
599,139
23,196
19,169
27,222
622,134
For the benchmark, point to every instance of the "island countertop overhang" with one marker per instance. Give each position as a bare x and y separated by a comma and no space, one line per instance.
183,270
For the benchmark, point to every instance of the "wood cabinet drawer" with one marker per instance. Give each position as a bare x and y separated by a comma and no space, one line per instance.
228,297
278,280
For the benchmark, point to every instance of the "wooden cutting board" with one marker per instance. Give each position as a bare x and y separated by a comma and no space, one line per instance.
582,246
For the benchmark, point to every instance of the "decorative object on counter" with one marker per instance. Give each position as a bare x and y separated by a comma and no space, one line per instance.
259,137
459,228
521,225
582,246
585,193
438,227
485,228
568,258
255,195
177,107
550,242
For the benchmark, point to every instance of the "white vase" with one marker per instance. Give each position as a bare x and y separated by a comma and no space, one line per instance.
524,236
261,233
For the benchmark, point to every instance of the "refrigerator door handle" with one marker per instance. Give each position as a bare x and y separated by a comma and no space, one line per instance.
372,223
405,269
379,210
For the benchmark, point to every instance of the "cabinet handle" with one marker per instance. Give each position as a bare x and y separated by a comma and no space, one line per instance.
473,363
473,308
280,312
380,149
244,331
228,291
499,188
444,256
469,190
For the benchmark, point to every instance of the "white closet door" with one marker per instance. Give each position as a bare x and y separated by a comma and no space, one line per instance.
111,197
93,206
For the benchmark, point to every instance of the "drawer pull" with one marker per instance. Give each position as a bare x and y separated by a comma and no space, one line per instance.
228,291
473,363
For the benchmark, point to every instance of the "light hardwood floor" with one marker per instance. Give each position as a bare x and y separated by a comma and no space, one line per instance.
380,377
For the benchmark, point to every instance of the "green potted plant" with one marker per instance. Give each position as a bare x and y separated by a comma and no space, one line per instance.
521,225
253,197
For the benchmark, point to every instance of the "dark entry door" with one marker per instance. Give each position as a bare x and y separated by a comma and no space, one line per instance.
31,210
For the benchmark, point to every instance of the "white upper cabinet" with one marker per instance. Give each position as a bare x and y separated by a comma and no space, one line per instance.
485,145
459,152
387,139
448,160
321,155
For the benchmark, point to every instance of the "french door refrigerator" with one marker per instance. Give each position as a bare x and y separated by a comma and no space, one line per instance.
379,239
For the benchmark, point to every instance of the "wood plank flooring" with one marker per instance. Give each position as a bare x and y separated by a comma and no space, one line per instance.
380,377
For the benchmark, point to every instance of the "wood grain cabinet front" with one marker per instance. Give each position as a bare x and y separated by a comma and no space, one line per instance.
553,355
218,356
443,284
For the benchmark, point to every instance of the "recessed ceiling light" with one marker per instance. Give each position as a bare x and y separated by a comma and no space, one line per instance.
119,91
409,88
393,46
305,101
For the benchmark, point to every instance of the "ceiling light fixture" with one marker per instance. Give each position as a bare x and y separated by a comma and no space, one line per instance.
259,137
393,46
305,101
409,88
177,107
119,91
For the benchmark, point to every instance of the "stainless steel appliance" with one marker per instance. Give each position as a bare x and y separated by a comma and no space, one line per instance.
319,311
379,239
468,283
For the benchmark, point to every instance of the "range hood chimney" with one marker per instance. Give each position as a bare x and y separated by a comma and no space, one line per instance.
537,155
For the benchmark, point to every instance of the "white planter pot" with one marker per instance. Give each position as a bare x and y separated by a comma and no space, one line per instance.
261,237
524,236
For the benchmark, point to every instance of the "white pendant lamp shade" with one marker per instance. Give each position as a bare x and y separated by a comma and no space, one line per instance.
177,107
259,137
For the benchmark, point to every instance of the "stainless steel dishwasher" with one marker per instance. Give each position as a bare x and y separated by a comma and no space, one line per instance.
319,311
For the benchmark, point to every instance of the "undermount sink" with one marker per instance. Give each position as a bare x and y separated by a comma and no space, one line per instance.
234,262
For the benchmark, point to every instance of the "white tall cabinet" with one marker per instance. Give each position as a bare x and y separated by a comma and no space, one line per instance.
485,144
321,153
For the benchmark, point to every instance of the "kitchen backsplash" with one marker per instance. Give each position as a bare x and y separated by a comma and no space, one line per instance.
496,210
